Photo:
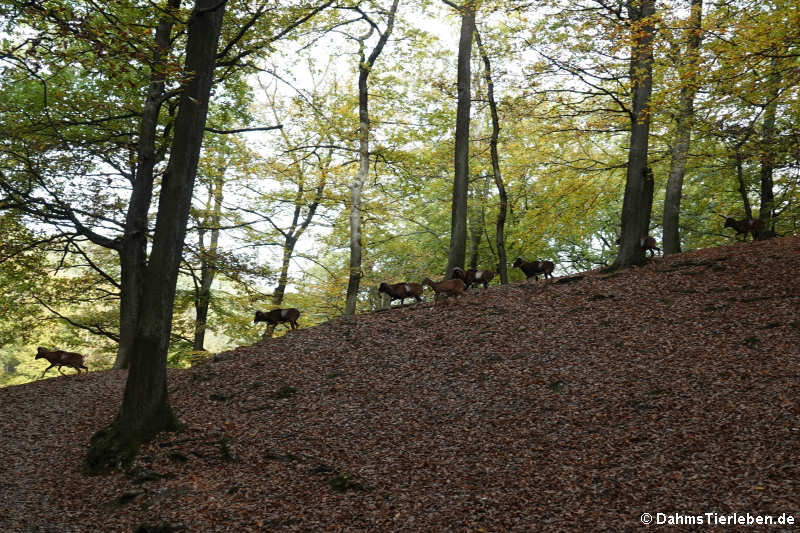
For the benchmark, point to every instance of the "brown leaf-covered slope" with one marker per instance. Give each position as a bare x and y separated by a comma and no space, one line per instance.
538,406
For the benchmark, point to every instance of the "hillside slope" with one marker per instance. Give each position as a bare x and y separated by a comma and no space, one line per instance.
537,406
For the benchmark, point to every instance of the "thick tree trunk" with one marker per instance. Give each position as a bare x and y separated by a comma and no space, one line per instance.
145,407
356,187
133,252
671,241
498,177
458,219
636,204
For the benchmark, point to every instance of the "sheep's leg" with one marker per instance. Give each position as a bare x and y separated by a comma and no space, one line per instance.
60,372
46,369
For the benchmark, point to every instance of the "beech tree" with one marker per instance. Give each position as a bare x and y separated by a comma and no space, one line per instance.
687,63
132,247
458,219
145,407
208,252
365,65
500,238
88,56
638,200
299,176
755,84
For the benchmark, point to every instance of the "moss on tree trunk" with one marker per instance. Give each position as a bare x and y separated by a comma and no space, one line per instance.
114,448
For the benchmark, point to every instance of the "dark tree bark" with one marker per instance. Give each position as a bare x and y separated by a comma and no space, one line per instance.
458,219
295,231
671,241
767,208
291,236
636,204
357,185
145,407
133,251
498,177
476,229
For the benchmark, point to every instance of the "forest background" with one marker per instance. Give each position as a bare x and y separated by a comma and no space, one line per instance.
271,217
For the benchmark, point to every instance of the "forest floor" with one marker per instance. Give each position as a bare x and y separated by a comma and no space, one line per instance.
673,388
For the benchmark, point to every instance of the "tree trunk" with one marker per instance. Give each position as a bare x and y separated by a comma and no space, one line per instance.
671,241
145,407
767,208
748,211
458,219
208,263
283,279
475,220
293,234
357,185
133,251
636,204
498,177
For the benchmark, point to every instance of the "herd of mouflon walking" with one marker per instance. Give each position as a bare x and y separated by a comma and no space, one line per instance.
460,282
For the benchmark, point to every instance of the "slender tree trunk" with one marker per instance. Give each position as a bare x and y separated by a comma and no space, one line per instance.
357,185
293,234
458,219
671,241
636,204
283,277
767,208
748,211
475,232
208,264
133,251
498,177
145,407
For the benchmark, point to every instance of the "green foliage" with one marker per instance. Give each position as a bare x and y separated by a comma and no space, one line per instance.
71,97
